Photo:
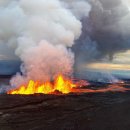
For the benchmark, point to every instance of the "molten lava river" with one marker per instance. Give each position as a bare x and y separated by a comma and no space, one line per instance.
64,85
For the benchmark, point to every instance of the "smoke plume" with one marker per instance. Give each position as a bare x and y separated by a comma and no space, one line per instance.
105,32
41,34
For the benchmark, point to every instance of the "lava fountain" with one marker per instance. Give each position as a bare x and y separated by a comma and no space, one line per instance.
64,85
61,84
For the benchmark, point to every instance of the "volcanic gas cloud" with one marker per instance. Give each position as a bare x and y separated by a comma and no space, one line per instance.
42,33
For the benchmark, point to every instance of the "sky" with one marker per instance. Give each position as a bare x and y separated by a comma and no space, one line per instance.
7,53
120,62
120,66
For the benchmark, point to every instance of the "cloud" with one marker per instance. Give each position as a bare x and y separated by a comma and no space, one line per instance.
108,66
122,58
41,33
108,27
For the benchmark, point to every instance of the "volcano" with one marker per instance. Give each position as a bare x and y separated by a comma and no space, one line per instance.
54,42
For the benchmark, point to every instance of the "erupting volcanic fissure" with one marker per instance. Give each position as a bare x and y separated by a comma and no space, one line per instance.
61,84
45,37
64,85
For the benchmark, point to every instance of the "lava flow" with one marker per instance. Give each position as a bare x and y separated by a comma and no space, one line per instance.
60,84
64,85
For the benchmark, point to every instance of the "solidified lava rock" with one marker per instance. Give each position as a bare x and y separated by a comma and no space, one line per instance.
97,111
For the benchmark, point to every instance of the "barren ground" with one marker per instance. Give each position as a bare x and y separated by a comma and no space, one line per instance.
99,111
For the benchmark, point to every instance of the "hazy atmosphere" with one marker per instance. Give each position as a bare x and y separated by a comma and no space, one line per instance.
101,38
64,64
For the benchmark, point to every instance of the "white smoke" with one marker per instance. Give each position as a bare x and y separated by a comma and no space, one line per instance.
44,61
40,33
80,8
4,2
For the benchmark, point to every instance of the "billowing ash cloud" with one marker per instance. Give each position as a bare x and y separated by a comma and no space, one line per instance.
40,32
80,8
105,32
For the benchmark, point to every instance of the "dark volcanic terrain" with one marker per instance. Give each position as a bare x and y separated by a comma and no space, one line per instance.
94,111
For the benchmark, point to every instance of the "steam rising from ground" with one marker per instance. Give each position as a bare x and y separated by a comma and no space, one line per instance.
40,33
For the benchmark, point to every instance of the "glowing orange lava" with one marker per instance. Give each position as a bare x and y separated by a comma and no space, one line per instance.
60,84
65,86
